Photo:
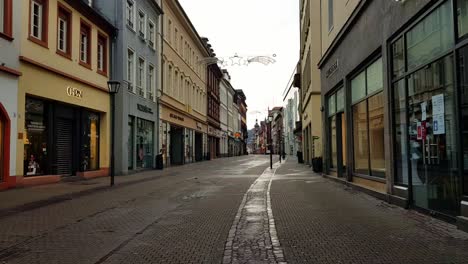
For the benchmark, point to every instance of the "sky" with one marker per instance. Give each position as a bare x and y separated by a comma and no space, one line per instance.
252,28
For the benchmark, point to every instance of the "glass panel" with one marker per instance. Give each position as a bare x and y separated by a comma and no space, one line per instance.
2,145
333,152
130,142
463,74
144,137
361,140
2,18
340,102
90,147
343,141
431,37
433,138
376,135
332,104
375,77
465,151
398,59
358,87
401,140
462,17
35,138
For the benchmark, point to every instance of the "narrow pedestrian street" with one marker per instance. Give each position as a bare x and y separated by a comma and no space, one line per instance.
232,210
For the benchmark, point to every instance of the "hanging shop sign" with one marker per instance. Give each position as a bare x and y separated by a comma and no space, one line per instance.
74,92
144,109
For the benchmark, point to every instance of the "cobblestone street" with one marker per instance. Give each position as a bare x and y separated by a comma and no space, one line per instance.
233,210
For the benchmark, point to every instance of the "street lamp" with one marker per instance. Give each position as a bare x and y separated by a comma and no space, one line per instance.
114,87
270,138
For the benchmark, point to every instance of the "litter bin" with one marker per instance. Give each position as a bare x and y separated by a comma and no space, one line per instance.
159,162
300,159
317,164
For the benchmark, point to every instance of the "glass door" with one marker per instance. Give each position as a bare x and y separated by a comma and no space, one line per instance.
2,146
432,137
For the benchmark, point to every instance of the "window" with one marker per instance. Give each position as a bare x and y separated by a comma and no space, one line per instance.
102,54
90,2
368,121
175,39
142,24
169,81
85,45
141,76
130,13
175,91
436,30
144,143
38,22
169,31
462,13
130,69
151,35
337,131
90,139
6,18
151,82
64,32
330,15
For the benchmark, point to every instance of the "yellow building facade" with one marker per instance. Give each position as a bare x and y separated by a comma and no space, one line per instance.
183,126
64,104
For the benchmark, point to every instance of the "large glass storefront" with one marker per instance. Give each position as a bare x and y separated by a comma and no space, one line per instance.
2,147
60,139
337,132
424,111
144,144
368,121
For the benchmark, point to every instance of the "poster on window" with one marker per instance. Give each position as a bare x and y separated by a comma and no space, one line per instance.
419,130
438,104
424,111
438,124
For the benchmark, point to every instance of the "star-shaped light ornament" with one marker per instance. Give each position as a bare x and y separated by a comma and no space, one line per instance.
236,60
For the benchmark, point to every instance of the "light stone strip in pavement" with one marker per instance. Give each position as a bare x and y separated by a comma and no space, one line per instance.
253,237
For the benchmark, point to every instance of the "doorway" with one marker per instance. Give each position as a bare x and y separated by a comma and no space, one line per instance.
177,146
198,146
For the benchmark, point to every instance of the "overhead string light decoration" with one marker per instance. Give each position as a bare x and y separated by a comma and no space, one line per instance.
237,60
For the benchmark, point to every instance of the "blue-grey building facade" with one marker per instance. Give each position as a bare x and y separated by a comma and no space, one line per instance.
135,62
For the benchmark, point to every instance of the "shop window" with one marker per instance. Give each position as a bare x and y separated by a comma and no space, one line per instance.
35,138
400,129
368,121
462,17
398,57
431,37
463,88
336,130
90,142
2,147
38,21
64,32
130,141
102,54
144,143
85,44
334,153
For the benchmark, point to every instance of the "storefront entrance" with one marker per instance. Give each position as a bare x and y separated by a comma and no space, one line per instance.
177,146
4,142
198,146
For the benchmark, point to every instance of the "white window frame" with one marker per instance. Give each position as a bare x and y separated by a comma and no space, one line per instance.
39,20
65,35
100,56
130,15
141,24
140,81
151,81
151,35
84,48
131,69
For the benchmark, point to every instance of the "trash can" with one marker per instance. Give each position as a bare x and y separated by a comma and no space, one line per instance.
317,164
159,162
300,159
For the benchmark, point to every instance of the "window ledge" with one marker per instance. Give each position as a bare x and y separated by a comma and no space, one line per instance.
38,42
130,28
103,73
86,65
63,54
6,36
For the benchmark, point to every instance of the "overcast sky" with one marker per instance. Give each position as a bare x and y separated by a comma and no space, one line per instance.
252,28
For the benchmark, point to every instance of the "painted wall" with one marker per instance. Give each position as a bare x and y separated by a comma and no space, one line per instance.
127,100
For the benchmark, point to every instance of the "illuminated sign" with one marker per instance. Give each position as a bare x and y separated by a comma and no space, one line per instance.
74,92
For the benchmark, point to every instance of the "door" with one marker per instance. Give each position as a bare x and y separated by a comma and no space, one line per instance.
64,146
177,146
198,147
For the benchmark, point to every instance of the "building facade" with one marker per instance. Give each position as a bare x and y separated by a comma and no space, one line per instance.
243,135
183,126
63,100
395,104
310,52
10,28
137,53
214,76
291,118
224,87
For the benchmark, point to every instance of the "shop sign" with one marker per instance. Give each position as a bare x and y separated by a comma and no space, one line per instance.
174,116
74,92
332,69
144,109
